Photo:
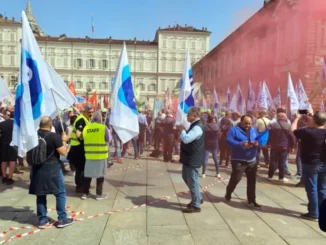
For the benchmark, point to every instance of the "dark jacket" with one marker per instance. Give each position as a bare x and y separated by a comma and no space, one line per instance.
280,136
192,154
211,136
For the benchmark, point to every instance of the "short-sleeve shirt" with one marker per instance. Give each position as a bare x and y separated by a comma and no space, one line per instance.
262,123
53,142
313,147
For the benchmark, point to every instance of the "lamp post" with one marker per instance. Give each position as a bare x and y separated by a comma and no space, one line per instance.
88,90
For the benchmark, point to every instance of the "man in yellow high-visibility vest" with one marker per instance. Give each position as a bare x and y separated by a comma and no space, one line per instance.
96,139
77,153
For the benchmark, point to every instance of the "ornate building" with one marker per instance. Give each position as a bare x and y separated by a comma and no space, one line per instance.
283,36
91,63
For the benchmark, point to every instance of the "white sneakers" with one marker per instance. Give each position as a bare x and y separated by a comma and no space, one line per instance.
203,176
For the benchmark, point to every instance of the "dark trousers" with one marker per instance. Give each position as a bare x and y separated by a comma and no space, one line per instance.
168,147
238,168
265,154
157,141
278,160
134,144
99,185
224,152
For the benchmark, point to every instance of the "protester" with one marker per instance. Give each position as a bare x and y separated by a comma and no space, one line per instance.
262,123
8,153
142,120
158,135
235,118
211,144
226,124
192,157
96,139
47,178
168,137
281,142
242,139
117,145
77,152
313,155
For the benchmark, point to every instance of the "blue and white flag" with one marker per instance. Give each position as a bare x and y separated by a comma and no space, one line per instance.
228,98
4,91
124,116
216,103
277,98
251,99
34,81
302,97
186,97
262,100
293,99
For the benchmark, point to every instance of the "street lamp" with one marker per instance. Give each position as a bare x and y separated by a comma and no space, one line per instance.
88,90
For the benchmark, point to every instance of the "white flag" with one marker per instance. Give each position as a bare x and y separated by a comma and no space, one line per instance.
186,98
322,107
262,100
293,100
277,98
240,100
4,91
124,117
270,102
233,104
302,97
251,99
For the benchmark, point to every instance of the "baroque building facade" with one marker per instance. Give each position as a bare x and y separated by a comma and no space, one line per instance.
91,62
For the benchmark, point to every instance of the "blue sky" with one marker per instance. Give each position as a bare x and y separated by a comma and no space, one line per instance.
135,18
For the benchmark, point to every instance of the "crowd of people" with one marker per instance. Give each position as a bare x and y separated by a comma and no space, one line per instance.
233,140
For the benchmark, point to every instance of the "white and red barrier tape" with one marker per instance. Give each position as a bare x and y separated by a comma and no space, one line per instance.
102,214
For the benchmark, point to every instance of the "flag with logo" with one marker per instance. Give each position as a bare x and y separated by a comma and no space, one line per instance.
262,100
302,97
292,97
251,99
277,98
124,116
4,91
186,98
34,81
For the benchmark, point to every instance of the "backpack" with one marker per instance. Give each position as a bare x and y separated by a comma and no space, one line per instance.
39,152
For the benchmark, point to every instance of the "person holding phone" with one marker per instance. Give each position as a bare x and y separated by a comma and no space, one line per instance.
242,140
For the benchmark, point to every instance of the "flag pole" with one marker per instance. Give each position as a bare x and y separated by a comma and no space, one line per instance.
66,101
55,102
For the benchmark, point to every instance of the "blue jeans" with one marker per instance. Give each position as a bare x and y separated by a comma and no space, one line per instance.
298,161
134,144
60,203
117,145
314,179
265,154
190,177
278,160
214,153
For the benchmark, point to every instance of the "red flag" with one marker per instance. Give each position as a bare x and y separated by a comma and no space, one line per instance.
106,101
72,88
93,100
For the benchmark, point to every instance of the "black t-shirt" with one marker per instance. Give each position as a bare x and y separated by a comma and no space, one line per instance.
313,148
53,142
80,125
6,128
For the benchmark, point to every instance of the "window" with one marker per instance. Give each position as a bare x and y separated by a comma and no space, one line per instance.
79,63
13,81
104,85
104,64
152,87
91,85
79,85
91,63
141,86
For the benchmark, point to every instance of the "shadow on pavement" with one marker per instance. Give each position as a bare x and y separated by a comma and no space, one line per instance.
155,202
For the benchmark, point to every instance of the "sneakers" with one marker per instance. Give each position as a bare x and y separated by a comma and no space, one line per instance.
284,180
270,178
191,209
85,196
190,204
254,205
43,224
203,176
10,181
65,223
101,197
297,176
307,216
218,176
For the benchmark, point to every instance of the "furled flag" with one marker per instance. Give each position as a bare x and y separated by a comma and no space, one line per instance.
277,98
93,100
186,98
293,100
251,99
240,100
262,100
216,103
72,88
270,102
302,97
228,98
124,117
4,91
34,81
322,107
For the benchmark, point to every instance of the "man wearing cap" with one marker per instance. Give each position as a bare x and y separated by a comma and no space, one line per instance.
77,152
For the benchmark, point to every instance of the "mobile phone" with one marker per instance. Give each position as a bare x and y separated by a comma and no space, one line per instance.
303,112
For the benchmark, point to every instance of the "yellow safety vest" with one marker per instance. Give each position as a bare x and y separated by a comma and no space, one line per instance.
74,140
94,142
